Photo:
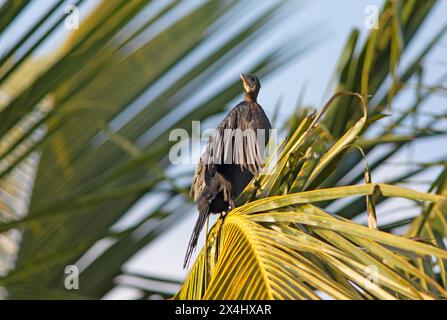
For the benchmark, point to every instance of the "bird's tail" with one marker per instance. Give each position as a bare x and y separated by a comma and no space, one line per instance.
203,215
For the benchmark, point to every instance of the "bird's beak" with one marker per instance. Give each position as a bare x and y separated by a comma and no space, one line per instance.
244,78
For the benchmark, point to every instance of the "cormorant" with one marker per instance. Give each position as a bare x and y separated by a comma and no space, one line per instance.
232,157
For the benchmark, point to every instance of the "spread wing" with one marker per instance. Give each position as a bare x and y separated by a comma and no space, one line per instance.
235,141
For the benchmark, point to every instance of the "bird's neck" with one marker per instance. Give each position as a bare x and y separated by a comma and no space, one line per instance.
251,97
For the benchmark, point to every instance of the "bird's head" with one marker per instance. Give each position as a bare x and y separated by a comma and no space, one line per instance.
251,84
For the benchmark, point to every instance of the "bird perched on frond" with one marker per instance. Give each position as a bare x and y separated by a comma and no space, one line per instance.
233,156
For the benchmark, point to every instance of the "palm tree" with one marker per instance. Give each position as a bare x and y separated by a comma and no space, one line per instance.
291,239
84,129
84,137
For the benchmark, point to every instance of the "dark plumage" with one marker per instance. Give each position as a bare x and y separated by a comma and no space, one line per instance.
231,159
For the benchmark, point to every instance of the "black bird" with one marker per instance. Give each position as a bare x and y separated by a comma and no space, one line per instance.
232,157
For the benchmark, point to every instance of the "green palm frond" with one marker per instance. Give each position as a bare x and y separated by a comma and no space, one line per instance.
283,246
266,255
95,116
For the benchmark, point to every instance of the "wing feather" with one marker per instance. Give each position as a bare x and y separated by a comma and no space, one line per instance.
232,143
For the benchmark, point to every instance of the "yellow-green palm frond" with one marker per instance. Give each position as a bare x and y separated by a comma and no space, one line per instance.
284,246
